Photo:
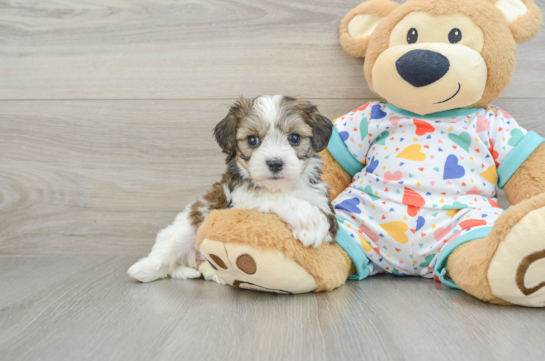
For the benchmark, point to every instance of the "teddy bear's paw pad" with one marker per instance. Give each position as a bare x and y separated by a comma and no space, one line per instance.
517,270
266,270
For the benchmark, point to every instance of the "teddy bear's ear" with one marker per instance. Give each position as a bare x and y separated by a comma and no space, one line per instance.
523,16
358,25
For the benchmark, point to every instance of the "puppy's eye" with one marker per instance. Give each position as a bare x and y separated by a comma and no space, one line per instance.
253,141
294,139
455,36
412,36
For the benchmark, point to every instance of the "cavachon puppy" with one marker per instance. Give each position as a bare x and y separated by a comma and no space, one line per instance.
272,167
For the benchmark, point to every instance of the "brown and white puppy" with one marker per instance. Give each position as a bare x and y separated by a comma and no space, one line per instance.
273,166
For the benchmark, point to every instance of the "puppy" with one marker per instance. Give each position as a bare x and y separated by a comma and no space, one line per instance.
272,167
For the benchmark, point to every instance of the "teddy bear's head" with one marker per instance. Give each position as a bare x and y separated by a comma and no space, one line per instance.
427,56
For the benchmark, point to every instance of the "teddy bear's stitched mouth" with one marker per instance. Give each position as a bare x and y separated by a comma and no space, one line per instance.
459,88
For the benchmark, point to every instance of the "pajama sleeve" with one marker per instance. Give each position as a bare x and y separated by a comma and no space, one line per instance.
509,143
350,139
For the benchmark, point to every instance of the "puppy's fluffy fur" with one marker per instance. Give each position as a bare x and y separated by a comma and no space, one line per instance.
272,166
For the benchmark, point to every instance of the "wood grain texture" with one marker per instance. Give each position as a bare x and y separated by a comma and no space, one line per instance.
103,177
86,308
198,49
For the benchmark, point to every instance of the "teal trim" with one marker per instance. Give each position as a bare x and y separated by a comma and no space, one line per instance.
355,253
445,114
340,152
441,264
517,156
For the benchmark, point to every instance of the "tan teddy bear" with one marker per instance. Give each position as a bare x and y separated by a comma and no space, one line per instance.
413,179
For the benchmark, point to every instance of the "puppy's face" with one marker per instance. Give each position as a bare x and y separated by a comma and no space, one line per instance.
273,138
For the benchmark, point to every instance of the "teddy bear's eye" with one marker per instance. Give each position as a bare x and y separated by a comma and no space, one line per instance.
412,36
455,36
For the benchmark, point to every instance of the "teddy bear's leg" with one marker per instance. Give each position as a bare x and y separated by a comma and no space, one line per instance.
508,265
257,251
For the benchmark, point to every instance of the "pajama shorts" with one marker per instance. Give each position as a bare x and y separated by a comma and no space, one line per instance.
385,236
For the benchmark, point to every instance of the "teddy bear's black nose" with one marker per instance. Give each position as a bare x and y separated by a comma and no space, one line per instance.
422,67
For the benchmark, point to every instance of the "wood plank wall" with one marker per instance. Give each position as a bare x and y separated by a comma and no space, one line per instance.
107,106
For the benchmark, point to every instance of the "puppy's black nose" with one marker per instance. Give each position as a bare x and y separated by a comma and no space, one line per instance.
275,165
422,67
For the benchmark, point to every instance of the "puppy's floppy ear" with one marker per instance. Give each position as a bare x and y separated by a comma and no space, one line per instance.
523,16
322,128
358,25
226,130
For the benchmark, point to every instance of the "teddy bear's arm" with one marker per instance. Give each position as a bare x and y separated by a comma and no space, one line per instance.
529,179
334,175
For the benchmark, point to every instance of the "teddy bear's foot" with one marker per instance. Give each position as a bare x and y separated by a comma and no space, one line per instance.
240,265
508,265
257,251
517,270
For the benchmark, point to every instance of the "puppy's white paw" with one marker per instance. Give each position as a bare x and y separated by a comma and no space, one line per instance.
185,273
309,237
328,238
146,270
312,229
208,273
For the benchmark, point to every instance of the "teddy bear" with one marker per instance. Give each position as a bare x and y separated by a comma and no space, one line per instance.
413,178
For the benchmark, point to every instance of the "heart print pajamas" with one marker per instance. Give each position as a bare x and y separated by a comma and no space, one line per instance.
422,185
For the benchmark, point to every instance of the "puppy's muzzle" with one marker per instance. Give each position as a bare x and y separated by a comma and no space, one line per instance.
275,165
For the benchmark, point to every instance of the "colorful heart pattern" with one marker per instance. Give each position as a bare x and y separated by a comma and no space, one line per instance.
516,137
381,139
367,231
482,124
423,127
463,140
392,177
349,205
397,231
377,112
452,169
372,165
412,152
423,183
440,232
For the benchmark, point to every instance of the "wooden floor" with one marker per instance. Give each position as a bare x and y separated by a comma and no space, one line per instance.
86,308
106,116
